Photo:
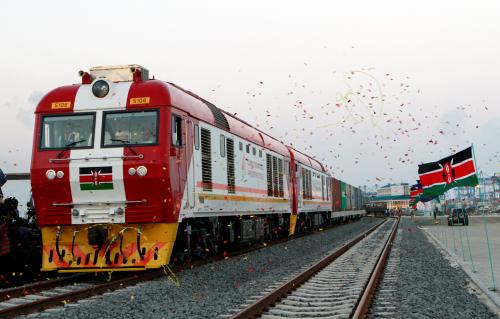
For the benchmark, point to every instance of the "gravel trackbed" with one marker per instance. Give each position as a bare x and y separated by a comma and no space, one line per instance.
214,289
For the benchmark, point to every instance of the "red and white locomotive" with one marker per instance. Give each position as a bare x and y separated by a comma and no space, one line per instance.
130,173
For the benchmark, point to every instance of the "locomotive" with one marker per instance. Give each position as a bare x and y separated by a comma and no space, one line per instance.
132,173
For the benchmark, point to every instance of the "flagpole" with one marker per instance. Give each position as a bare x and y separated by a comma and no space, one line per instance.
485,224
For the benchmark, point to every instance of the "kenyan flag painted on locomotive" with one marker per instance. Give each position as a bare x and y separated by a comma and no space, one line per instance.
96,178
452,171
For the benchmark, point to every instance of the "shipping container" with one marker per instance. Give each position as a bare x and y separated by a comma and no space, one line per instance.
351,196
348,197
336,195
355,201
360,199
343,194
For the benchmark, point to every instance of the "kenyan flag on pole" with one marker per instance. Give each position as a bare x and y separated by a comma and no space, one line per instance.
452,171
415,192
96,178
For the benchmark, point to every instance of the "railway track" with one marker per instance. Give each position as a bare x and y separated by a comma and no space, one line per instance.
39,286
47,294
63,292
340,285
385,302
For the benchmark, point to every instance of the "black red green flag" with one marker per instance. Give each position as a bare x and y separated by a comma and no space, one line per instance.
458,169
415,192
96,178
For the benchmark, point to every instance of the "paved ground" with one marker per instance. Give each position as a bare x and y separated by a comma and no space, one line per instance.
456,239
424,284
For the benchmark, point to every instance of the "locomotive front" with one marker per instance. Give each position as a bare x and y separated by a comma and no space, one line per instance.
100,173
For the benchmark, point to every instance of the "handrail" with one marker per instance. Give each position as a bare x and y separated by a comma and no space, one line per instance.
102,203
52,160
18,176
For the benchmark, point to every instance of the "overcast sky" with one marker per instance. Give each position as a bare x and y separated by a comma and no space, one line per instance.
371,88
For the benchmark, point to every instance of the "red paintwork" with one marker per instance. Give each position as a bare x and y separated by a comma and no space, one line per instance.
46,192
293,184
86,78
336,196
308,161
157,91
155,186
61,94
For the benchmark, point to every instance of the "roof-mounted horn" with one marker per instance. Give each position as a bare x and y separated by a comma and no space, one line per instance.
86,77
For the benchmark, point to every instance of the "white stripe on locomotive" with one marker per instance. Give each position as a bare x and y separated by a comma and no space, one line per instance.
85,101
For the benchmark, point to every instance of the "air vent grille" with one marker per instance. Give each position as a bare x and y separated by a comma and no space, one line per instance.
206,160
220,118
230,166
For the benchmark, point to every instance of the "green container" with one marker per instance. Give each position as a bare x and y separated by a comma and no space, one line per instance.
343,196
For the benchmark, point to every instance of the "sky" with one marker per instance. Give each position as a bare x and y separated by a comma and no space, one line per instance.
370,88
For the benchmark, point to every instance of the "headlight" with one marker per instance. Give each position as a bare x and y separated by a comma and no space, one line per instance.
131,171
75,212
142,171
50,174
60,174
100,88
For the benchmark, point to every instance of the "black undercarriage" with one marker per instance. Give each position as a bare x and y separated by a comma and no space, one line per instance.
200,238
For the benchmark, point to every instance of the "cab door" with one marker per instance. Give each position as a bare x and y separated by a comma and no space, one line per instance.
178,156
298,178
191,138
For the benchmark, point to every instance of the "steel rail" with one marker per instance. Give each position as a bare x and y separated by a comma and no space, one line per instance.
363,306
257,308
61,299
6,294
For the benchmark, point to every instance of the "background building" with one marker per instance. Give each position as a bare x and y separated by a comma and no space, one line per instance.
393,196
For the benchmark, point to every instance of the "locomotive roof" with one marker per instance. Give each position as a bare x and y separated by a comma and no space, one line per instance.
165,94
307,160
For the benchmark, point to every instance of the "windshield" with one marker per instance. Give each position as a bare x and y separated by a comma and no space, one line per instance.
130,128
68,131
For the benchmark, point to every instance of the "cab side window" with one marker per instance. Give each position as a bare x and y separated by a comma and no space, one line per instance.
176,130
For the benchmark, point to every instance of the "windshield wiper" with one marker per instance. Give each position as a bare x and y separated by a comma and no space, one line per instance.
68,146
125,143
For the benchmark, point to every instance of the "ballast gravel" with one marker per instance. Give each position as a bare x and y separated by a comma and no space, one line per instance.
215,289
427,285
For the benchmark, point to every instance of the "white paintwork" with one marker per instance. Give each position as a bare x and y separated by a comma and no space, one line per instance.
346,213
85,101
318,195
115,100
250,172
